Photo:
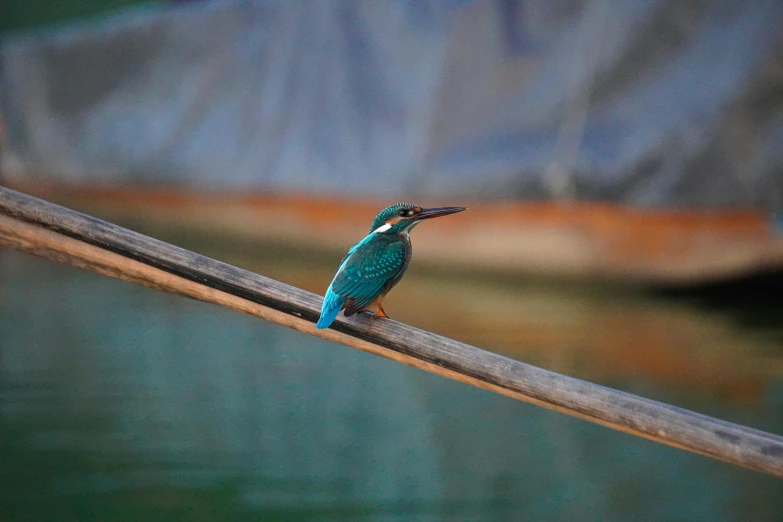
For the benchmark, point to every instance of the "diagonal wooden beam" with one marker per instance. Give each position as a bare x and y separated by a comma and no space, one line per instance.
60,234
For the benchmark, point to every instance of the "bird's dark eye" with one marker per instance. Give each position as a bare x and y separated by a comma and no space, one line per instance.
403,212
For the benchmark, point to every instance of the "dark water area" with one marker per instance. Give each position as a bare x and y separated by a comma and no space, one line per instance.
754,301
121,403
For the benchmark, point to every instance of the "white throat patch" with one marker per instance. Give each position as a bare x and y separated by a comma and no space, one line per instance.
382,228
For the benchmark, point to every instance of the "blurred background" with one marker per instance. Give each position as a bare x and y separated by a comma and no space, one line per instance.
623,165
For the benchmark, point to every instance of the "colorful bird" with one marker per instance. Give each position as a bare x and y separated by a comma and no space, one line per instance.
376,263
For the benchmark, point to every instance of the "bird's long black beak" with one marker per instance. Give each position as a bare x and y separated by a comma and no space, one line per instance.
437,212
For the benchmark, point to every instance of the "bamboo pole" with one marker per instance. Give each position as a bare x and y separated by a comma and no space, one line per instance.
59,234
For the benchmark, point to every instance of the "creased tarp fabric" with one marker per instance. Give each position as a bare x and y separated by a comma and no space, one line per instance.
658,102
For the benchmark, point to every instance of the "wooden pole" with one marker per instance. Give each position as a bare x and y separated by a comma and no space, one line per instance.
53,232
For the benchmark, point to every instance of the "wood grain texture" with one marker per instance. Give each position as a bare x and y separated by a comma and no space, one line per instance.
44,229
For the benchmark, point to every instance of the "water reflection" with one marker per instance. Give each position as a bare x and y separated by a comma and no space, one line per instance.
121,403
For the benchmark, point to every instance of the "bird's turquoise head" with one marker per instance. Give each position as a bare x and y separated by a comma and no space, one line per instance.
402,217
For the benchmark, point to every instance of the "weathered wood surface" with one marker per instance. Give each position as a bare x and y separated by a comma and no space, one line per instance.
63,235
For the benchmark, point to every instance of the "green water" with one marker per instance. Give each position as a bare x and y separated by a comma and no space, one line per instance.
121,403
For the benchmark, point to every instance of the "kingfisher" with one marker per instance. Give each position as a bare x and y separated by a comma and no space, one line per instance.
376,263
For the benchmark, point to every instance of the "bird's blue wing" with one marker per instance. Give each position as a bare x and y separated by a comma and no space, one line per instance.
367,271
333,303
362,276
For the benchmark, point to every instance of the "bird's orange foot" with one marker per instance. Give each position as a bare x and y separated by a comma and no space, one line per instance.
380,313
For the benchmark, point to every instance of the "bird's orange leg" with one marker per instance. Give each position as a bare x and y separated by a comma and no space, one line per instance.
380,312
377,304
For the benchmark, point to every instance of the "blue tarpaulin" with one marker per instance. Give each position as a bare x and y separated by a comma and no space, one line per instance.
657,102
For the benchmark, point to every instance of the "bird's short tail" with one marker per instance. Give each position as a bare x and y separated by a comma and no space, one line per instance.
330,308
